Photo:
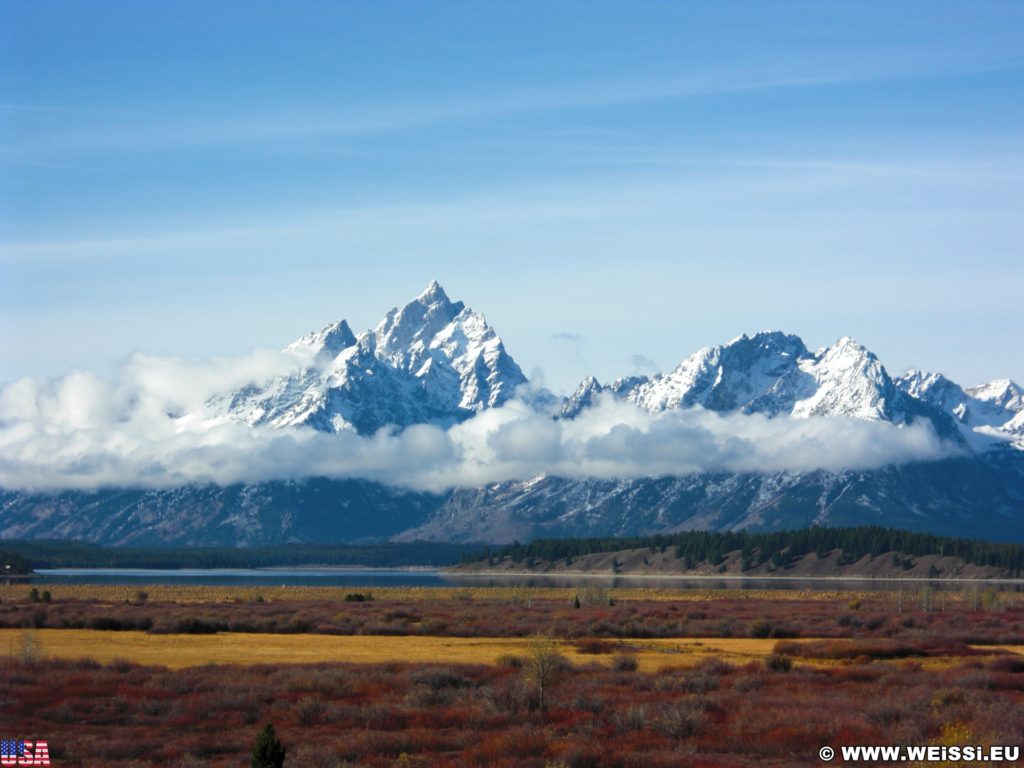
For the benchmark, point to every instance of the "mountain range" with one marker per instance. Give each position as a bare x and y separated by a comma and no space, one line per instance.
435,361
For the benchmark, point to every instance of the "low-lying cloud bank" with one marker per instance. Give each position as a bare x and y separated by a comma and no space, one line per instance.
144,428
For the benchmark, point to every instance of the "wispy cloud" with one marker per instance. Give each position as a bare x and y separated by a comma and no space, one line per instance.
711,179
643,364
71,129
569,338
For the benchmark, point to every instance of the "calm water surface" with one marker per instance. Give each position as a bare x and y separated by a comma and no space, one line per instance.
432,577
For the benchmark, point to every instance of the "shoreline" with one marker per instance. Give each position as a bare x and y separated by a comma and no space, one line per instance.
724,577
74,570
455,575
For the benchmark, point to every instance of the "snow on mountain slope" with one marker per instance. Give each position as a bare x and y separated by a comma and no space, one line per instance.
773,373
1000,394
935,389
584,397
430,361
437,361
723,378
326,343
846,380
986,414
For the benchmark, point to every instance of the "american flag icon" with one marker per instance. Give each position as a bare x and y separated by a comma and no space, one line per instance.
12,748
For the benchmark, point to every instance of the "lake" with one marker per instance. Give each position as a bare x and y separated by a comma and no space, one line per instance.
433,577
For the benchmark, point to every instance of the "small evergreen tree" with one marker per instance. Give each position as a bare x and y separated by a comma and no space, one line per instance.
268,752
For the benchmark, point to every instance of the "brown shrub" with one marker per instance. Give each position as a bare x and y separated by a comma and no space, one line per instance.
594,645
624,662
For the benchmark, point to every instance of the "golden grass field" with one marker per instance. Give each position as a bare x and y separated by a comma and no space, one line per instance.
179,651
208,594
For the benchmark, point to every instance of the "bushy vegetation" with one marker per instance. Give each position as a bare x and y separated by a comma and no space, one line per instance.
883,669
876,649
974,615
778,547
713,714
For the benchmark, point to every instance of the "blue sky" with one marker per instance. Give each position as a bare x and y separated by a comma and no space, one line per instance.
613,184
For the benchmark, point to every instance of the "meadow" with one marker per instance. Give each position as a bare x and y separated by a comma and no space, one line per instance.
974,615
178,651
490,677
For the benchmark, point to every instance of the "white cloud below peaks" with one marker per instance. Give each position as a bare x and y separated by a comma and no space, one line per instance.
146,429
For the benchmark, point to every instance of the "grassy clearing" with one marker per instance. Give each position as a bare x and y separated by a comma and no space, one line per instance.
181,651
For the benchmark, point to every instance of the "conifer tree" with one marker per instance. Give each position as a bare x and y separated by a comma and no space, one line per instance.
268,752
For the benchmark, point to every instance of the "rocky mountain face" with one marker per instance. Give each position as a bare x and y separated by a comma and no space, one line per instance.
313,510
436,361
980,497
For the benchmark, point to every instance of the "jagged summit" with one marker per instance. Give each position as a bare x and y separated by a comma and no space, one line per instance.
983,413
583,397
1002,393
722,377
765,338
935,389
328,341
405,332
845,379
433,292
773,373
430,361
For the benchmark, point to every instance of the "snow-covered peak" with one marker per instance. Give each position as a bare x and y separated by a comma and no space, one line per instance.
724,377
938,391
328,342
773,373
582,398
487,375
468,331
981,413
432,293
405,332
767,339
917,382
431,361
850,355
845,379
1001,393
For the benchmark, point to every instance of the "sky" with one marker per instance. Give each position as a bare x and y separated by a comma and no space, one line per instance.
613,184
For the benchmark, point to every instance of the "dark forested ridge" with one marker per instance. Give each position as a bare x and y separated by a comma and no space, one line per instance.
11,563
43,553
778,548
